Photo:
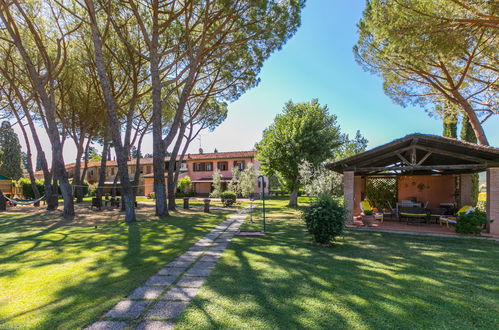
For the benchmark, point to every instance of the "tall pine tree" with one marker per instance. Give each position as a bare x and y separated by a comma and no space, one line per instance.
11,159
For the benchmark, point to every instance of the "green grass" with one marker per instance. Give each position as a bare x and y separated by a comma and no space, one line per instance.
366,281
60,275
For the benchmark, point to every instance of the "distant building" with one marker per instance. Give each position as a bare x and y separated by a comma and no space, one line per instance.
199,167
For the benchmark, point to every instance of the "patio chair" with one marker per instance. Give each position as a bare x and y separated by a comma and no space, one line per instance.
463,210
414,213
366,206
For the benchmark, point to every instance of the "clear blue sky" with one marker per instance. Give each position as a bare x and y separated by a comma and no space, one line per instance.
317,62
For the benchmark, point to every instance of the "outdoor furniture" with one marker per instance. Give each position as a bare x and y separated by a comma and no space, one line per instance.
366,206
437,213
414,214
463,210
96,202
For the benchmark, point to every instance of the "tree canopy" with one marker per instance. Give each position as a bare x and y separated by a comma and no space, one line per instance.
302,132
424,65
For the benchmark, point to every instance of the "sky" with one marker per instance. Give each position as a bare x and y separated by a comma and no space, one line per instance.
317,62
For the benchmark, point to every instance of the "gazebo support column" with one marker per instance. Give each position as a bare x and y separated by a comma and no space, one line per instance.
348,195
357,193
493,199
466,189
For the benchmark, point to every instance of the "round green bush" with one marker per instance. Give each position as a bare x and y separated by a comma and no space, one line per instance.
228,198
325,219
472,223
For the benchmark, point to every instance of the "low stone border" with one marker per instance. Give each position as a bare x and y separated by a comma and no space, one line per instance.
401,232
165,295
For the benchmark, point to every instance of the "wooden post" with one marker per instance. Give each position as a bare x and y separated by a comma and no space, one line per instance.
207,205
186,203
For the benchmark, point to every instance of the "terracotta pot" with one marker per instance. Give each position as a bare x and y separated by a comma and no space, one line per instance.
368,220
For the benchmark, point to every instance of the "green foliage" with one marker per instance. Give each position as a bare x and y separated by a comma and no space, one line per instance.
11,157
135,153
93,155
185,194
450,125
27,189
184,184
228,198
467,133
234,182
471,223
247,180
350,147
303,132
381,191
403,42
217,184
325,219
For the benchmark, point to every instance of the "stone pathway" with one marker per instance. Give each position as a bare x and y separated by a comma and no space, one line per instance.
165,295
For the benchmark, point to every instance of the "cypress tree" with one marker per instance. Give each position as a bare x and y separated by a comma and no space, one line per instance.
450,125
11,159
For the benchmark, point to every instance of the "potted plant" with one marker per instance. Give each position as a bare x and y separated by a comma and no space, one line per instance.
368,218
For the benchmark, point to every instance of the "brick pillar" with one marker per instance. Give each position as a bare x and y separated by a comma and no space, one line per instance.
348,195
357,193
466,189
493,199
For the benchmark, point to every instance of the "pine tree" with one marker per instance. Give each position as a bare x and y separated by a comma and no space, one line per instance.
11,162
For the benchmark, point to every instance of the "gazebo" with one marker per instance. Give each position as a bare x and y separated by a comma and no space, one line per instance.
428,168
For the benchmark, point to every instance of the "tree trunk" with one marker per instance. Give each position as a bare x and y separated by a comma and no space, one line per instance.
76,174
102,169
293,197
172,185
157,136
79,194
29,165
113,121
475,123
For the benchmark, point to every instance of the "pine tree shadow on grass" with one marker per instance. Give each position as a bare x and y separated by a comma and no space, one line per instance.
72,274
367,280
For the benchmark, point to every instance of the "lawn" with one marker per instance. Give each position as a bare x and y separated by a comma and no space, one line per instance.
367,281
57,274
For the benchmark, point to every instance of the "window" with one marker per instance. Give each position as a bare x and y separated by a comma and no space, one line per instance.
112,170
148,169
203,167
91,172
239,164
223,166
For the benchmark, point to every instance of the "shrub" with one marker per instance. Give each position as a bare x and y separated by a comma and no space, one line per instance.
151,195
471,223
184,184
184,194
228,198
28,190
325,219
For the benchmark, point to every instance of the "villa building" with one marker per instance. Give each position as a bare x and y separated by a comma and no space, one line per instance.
198,167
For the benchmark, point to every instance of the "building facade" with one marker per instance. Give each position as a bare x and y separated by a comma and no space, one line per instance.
198,167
